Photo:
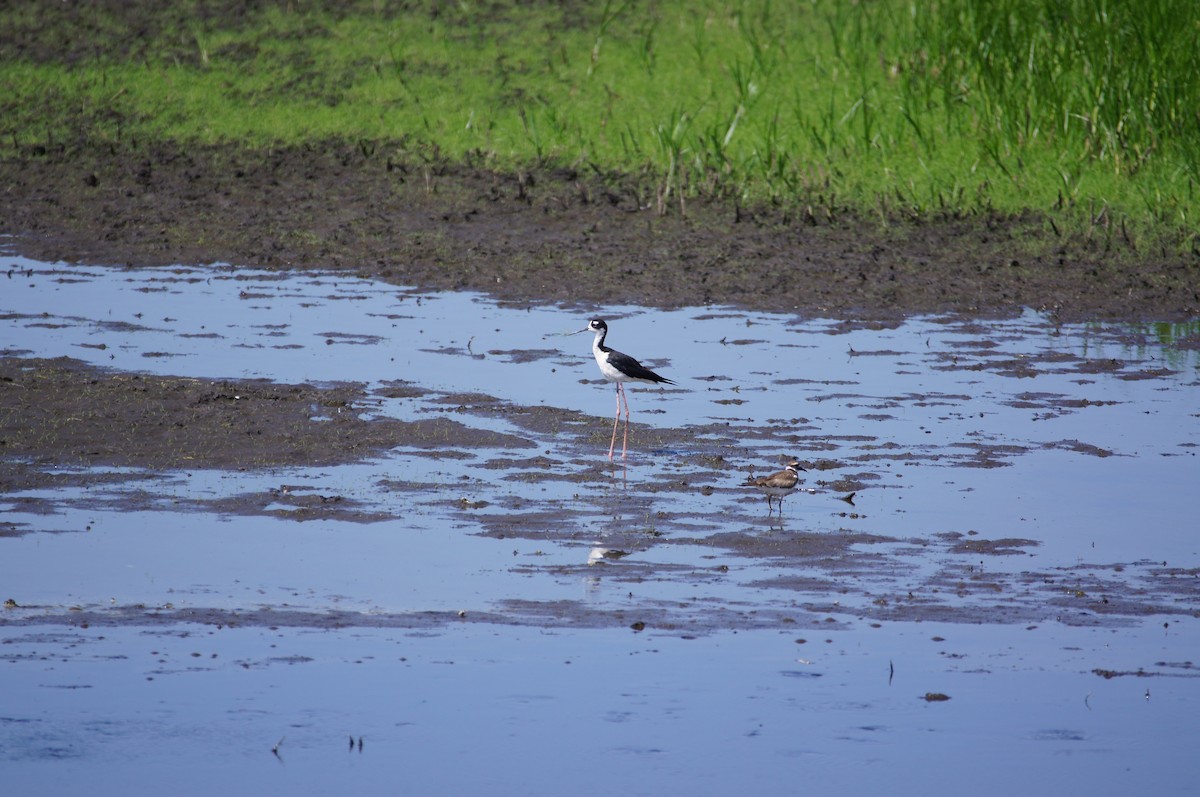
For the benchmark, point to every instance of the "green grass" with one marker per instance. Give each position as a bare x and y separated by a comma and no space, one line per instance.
1075,108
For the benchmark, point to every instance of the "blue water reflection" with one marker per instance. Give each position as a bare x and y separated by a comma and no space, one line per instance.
1075,442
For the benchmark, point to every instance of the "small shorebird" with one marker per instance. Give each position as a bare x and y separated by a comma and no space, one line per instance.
777,485
618,367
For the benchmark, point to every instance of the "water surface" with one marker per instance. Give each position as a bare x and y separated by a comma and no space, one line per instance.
1021,540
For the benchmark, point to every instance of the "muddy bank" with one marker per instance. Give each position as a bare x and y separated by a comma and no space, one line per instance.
568,236
62,413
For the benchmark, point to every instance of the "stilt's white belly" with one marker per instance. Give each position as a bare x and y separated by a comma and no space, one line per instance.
606,370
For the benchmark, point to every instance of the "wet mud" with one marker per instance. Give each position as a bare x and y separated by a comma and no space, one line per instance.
64,413
564,236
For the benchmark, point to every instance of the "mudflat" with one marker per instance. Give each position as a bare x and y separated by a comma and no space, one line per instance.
567,236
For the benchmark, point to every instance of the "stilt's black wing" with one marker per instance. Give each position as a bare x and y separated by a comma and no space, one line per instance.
634,369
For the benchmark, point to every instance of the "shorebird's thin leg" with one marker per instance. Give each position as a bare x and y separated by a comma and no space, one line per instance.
625,442
616,419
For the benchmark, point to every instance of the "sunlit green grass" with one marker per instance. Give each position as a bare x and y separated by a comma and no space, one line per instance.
1079,108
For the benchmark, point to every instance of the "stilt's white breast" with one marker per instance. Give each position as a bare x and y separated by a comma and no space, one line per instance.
606,370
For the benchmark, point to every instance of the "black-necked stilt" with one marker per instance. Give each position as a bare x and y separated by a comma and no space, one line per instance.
777,485
620,368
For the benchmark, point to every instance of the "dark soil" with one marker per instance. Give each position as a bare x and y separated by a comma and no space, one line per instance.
563,236
64,413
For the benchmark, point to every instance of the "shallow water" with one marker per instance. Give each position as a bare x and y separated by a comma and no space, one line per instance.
470,710
1023,516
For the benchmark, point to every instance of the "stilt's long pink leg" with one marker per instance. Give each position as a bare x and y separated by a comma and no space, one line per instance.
613,444
625,442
